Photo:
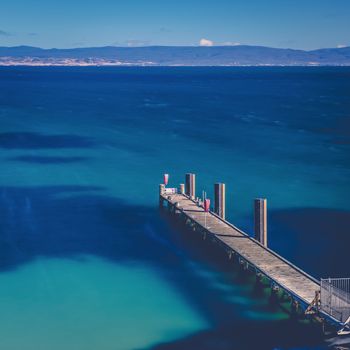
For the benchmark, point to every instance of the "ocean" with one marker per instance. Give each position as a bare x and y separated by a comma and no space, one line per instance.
87,261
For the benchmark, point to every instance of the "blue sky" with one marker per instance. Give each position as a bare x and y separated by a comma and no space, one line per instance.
305,24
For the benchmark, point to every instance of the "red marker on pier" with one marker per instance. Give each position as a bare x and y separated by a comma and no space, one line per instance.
206,210
166,179
207,205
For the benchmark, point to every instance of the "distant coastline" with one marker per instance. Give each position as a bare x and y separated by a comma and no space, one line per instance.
240,55
51,62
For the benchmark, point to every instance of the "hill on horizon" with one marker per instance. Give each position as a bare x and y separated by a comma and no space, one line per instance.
240,55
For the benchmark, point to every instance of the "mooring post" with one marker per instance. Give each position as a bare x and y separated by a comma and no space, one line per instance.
176,207
274,294
294,308
191,185
161,191
259,283
260,220
182,188
219,199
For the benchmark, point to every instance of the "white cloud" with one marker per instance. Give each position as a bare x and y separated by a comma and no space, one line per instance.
206,42
341,46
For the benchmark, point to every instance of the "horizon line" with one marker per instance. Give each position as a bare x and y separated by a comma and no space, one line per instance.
173,46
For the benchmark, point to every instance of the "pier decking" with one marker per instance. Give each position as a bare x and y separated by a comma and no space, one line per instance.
264,260
303,289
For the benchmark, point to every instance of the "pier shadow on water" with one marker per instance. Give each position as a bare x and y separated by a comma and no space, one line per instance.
315,239
75,221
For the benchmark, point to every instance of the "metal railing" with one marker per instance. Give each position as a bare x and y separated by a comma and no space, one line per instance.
169,191
335,297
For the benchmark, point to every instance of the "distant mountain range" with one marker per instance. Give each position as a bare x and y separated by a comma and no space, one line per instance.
241,55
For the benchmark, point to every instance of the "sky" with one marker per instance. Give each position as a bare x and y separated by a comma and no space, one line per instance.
299,24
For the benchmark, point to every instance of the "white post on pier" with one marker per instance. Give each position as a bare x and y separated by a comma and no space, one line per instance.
182,188
206,210
260,220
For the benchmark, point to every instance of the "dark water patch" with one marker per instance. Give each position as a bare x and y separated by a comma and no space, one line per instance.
340,126
75,221
38,141
48,159
34,140
67,220
252,335
341,141
316,239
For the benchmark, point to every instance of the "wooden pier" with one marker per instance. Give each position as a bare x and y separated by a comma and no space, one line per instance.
303,289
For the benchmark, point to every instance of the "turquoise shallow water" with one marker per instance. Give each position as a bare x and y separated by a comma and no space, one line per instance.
87,261
90,303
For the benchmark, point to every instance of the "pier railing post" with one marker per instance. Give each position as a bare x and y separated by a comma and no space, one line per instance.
191,185
219,199
260,220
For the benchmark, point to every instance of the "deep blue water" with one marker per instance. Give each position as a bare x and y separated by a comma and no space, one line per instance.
86,259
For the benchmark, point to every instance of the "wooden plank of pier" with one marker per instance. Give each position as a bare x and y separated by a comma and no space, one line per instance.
277,269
